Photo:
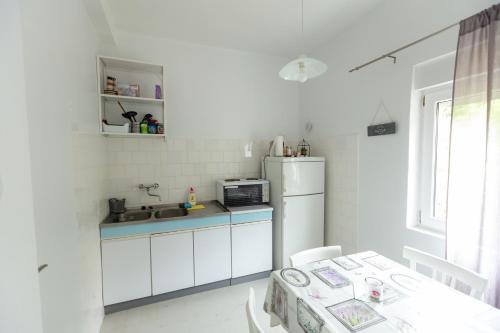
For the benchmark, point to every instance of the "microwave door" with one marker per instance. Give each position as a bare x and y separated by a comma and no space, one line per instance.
243,195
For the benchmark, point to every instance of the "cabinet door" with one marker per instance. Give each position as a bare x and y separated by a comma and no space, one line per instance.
251,245
172,263
212,255
303,224
126,269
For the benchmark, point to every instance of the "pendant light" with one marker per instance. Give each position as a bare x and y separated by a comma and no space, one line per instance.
303,68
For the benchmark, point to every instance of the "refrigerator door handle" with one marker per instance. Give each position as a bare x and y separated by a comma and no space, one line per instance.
284,210
284,183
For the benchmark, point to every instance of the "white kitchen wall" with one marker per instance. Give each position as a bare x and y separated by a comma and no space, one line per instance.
176,165
90,193
341,103
341,196
20,309
215,93
218,100
59,58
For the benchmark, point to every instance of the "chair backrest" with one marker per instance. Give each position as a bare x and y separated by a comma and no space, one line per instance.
253,325
319,253
446,272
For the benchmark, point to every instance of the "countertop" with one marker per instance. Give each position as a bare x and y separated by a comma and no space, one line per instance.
212,208
213,215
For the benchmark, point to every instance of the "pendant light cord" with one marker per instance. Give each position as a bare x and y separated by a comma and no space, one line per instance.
302,17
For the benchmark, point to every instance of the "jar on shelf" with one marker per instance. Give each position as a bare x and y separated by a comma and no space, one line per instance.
160,129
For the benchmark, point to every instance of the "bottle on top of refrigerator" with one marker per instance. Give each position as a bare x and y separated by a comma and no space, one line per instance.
192,196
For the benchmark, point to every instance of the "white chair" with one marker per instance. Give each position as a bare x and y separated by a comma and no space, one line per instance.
319,253
253,325
446,272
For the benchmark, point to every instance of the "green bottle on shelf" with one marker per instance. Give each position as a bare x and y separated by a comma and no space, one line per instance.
144,127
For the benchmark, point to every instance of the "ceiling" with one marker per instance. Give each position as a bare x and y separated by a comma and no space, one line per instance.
263,26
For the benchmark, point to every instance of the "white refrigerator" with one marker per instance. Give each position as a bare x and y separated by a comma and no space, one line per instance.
297,186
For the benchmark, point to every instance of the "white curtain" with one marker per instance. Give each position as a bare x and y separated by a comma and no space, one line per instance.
473,217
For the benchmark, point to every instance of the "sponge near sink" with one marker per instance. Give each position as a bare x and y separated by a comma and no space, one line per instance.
195,207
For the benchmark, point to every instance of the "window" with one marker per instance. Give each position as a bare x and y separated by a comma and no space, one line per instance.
433,155
442,125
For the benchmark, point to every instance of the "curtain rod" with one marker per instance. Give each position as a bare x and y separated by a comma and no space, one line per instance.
390,54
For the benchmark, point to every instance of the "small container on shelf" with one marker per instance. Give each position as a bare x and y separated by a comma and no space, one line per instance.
157,91
136,127
106,128
160,128
110,86
152,127
130,90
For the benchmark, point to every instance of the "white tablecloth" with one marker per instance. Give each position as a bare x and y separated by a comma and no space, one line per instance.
426,307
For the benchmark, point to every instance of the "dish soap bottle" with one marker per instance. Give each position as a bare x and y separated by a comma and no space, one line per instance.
192,196
143,127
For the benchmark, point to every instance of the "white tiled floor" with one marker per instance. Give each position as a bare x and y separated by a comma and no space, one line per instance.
215,311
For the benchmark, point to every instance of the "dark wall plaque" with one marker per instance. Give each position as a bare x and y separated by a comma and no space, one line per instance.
382,129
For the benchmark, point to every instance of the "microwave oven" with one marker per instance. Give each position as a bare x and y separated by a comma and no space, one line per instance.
242,192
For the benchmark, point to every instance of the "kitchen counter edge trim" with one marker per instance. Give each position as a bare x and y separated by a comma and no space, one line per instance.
165,226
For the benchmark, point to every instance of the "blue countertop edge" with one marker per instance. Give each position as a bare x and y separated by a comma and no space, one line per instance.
251,216
165,226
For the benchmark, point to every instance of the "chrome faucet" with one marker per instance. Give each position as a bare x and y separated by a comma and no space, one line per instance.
154,186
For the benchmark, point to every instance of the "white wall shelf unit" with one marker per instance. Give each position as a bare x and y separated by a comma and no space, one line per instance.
126,71
133,135
145,100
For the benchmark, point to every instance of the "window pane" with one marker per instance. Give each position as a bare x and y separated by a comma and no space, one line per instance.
441,157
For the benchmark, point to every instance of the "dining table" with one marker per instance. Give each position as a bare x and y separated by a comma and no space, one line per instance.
367,292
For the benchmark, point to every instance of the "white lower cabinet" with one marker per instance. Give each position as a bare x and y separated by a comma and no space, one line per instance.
172,264
126,269
251,245
212,255
137,267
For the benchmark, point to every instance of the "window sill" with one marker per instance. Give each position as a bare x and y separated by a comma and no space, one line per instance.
428,231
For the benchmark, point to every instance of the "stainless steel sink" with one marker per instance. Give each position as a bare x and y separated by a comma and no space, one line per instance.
166,213
132,216
150,214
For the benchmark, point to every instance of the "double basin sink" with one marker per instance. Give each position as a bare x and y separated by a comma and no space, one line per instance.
149,214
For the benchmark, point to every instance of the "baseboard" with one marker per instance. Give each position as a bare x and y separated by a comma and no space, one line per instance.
183,292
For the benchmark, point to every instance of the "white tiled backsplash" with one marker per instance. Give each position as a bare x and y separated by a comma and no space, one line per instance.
176,165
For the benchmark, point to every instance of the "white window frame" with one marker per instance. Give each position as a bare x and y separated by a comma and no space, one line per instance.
426,158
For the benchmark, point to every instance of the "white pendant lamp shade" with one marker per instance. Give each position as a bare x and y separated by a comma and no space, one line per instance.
303,69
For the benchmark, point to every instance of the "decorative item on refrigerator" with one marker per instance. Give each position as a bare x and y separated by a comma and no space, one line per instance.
277,146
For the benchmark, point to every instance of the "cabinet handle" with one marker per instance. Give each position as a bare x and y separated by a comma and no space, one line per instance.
212,228
247,224
125,238
42,267
171,233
